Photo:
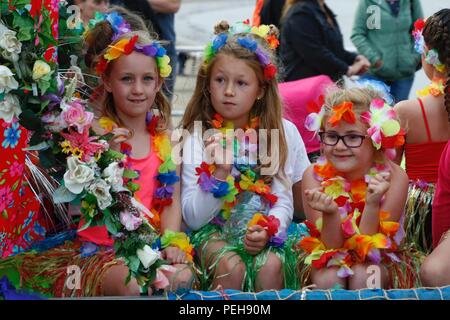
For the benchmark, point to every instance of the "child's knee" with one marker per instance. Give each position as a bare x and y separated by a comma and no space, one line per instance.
184,277
368,276
273,267
431,271
326,278
232,267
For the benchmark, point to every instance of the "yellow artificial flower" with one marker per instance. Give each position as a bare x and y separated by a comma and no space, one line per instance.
40,69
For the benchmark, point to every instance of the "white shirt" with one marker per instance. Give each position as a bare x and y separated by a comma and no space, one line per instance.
200,207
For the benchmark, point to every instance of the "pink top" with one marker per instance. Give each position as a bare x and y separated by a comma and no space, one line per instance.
441,203
295,96
148,169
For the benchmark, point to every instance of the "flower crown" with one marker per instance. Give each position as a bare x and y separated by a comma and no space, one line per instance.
126,46
432,56
248,42
384,128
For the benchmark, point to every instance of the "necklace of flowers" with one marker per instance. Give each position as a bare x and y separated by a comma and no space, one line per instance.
166,178
436,88
357,247
242,178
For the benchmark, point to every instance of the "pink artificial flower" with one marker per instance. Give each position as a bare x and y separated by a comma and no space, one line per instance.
16,169
129,221
163,274
88,145
76,116
6,198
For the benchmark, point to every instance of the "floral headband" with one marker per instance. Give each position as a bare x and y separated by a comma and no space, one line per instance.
431,56
384,128
126,46
117,22
247,42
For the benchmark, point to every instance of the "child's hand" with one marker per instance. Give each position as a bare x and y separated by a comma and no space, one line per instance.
223,158
320,201
174,255
119,135
255,239
377,187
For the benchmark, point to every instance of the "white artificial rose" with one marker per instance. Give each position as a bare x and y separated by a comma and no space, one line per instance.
100,189
77,176
148,256
113,176
10,107
11,46
7,81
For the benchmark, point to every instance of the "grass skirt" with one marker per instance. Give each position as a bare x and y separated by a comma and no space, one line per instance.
418,216
50,272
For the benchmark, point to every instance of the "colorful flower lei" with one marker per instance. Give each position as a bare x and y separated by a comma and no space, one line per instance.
180,240
357,247
435,88
247,42
242,178
432,56
384,128
271,224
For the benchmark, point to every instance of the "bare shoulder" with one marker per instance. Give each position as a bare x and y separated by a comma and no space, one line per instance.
399,175
308,180
405,108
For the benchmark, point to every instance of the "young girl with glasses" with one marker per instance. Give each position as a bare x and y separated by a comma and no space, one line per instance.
354,195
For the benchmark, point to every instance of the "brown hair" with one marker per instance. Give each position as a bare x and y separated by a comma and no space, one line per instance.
97,42
268,108
436,34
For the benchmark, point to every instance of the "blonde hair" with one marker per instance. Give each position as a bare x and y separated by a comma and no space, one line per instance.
96,47
268,108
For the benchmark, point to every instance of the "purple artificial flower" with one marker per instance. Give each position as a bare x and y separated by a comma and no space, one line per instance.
263,58
278,241
164,192
88,249
206,183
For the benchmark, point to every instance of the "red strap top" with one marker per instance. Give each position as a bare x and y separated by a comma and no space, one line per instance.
422,159
147,167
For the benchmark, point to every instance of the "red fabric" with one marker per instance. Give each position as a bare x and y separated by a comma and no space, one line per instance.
147,167
441,203
295,96
20,222
422,160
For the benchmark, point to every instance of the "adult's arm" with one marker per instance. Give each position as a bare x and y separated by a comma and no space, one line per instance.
307,41
360,32
165,6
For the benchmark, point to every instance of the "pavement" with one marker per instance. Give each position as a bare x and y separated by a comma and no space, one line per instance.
195,20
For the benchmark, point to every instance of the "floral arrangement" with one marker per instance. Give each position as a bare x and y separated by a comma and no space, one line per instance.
92,176
264,31
431,56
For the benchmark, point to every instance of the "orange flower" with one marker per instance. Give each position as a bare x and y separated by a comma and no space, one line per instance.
273,42
342,111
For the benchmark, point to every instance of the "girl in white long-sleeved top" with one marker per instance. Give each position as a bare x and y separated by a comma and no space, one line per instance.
239,167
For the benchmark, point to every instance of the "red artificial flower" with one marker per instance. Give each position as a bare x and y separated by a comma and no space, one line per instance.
323,260
341,201
36,7
419,24
128,48
217,121
312,229
151,126
125,148
270,71
101,66
273,42
272,224
271,198
204,167
48,55
394,141
313,107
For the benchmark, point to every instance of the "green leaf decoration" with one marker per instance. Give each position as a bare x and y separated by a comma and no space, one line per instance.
134,263
63,195
130,174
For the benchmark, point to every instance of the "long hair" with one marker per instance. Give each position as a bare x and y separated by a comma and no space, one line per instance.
268,108
436,34
97,42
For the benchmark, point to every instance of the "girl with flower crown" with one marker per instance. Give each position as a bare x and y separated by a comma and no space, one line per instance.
237,184
426,120
137,114
436,34
354,196
149,253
